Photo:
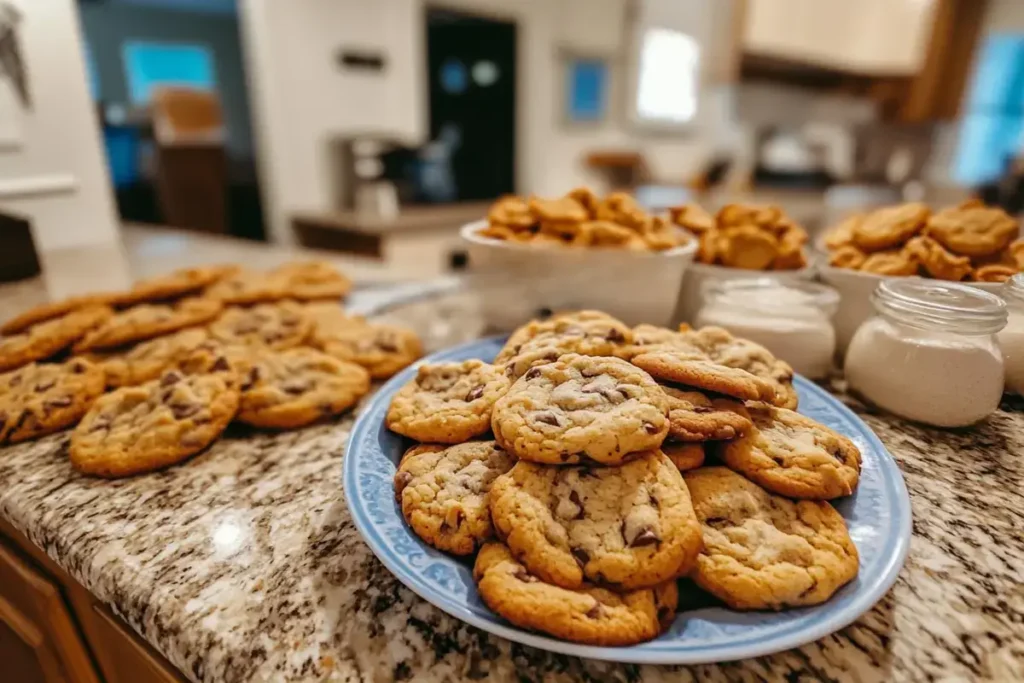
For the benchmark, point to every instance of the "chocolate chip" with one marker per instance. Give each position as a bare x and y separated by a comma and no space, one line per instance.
575,498
547,417
838,455
524,576
251,378
581,555
402,480
78,368
650,428
183,410
325,409
296,387
703,409
221,364
564,456
532,373
388,346
59,402
645,538
15,381
614,335
170,378
475,393
3,421
717,522
595,612
586,472
43,386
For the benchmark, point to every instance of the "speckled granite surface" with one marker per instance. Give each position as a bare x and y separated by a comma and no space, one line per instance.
243,565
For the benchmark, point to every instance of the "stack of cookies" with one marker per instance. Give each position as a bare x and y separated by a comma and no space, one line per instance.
185,354
967,242
574,468
745,236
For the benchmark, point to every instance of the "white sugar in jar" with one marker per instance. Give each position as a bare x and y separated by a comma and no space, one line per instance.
930,352
793,320
1011,337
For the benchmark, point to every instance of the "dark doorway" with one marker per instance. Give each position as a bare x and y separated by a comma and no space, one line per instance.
472,64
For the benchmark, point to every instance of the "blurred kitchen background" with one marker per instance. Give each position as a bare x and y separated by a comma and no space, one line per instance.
378,127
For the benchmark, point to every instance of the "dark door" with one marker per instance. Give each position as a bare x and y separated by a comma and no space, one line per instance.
472,65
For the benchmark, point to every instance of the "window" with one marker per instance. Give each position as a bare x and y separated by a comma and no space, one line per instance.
155,64
667,83
586,87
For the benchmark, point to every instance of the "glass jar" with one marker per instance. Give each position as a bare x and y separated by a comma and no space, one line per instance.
930,352
1011,337
792,319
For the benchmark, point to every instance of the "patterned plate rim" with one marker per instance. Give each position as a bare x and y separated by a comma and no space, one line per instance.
669,652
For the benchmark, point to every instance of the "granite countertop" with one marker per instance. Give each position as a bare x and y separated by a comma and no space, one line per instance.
244,565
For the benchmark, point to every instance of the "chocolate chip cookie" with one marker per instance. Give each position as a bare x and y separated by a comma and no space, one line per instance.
54,309
447,402
591,615
311,280
581,408
693,370
443,492
382,349
48,338
147,360
623,527
588,333
735,352
250,287
185,281
293,388
792,455
694,416
279,326
40,399
140,429
763,551
685,456
146,321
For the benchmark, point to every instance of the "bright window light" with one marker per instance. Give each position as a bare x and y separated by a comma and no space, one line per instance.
150,65
667,88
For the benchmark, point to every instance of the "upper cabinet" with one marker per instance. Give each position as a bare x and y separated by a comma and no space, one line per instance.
869,37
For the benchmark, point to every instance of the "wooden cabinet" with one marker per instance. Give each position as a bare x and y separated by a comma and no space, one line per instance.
52,630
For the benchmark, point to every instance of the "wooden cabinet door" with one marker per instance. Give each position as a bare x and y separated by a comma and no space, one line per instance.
38,639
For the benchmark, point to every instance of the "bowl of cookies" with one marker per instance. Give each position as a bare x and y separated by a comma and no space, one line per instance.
577,251
739,242
971,243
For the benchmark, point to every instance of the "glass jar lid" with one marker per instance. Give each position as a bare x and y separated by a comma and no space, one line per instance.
1013,290
772,295
942,306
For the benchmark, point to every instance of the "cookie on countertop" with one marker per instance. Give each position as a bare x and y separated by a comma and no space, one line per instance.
182,282
281,325
312,280
694,416
48,338
590,615
693,370
39,398
148,359
581,408
763,551
622,527
293,388
146,321
443,492
447,402
684,455
382,349
55,309
140,429
792,455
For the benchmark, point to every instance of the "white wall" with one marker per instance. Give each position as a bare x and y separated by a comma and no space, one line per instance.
57,176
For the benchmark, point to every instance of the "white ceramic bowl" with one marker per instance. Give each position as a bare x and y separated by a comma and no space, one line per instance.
699,274
855,288
519,281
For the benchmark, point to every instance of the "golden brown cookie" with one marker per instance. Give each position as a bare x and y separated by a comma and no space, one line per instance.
296,387
703,373
145,321
723,348
579,408
660,235
281,325
842,234
147,360
621,208
763,551
54,309
179,283
792,455
562,210
512,213
40,399
685,456
936,261
443,492
250,287
559,336
140,429
791,254
709,246
847,256
382,349
590,615
313,280
973,230
48,338
623,527
736,215
994,273
890,227
693,218
893,262
447,402
749,247
586,198
693,416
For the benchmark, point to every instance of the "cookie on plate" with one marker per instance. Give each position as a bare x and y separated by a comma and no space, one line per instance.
792,455
594,333
49,338
293,388
735,352
622,527
278,326
382,349
972,229
54,309
311,280
140,429
176,284
146,321
443,492
763,551
147,360
40,399
250,287
447,402
684,455
581,408
694,416
591,615
685,368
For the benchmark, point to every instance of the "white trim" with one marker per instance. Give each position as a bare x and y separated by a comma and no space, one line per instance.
25,188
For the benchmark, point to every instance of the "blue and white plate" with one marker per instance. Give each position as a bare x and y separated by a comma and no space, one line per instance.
878,516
